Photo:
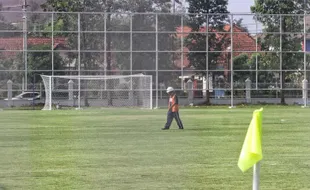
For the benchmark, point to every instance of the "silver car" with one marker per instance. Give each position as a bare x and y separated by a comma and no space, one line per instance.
30,96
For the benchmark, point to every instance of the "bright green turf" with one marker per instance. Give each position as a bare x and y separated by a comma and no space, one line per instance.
125,149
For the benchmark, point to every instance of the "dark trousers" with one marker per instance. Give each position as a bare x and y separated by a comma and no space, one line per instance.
176,116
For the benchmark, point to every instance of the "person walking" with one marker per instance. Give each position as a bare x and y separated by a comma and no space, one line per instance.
173,110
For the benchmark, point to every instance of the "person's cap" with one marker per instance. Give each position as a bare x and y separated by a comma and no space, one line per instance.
170,89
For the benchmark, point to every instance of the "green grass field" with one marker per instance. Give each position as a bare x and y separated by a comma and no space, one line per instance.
125,149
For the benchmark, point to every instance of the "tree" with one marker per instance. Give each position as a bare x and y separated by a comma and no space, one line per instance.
199,41
9,64
6,26
245,67
285,24
239,23
35,20
242,62
39,62
114,22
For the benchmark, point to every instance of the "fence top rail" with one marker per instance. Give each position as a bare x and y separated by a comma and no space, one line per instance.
95,77
150,13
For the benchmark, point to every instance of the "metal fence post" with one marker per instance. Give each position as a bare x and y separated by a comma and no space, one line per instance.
231,62
25,44
131,92
9,85
156,60
305,92
52,23
248,84
79,60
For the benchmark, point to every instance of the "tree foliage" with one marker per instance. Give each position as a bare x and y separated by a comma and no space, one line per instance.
214,22
118,18
40,62
239,23
4,25
242,63
114,22
290,40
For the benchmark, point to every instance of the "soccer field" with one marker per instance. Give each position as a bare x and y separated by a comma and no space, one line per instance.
125,149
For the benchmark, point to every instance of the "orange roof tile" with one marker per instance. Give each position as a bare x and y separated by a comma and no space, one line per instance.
242,42
16,43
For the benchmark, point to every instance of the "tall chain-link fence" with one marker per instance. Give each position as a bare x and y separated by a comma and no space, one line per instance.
244,58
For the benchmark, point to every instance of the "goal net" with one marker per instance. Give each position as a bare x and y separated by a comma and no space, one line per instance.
97,91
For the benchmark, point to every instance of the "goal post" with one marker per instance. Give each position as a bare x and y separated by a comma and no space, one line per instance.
114,91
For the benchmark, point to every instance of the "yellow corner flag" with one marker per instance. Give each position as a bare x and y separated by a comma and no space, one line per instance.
251,152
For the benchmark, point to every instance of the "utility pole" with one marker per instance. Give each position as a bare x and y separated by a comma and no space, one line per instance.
24,6
25,31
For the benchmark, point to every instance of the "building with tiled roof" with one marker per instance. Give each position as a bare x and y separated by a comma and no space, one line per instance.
13,46
10,47
243,42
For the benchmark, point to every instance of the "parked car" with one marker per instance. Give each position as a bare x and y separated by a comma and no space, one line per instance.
27,96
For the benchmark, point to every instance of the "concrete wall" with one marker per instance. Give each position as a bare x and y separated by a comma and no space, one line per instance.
162,103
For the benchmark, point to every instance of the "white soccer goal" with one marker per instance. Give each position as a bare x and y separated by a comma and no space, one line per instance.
116,91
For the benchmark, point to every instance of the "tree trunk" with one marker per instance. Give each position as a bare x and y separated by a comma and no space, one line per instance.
208,97
282,91
86,103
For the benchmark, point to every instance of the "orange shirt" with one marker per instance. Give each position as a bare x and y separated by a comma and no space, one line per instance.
173,103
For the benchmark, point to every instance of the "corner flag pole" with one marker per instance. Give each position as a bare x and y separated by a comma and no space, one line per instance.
256,171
